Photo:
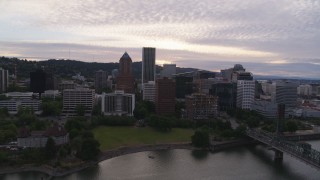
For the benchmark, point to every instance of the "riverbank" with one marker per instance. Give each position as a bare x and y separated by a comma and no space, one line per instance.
58,172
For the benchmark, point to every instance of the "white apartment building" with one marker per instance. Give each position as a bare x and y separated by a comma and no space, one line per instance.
149,91
117,103
245,93
74,97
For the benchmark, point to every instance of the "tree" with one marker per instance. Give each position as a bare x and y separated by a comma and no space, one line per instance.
291,126
201,138
89,149
50,148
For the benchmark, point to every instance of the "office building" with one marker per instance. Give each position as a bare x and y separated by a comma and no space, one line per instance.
148,64
125,79
4,80
149,91
184,84
285,92
201,106
226,93
101,81
245,94
165,96
77,97
117,103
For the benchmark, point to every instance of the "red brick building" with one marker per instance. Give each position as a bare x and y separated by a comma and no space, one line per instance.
165,96
125,79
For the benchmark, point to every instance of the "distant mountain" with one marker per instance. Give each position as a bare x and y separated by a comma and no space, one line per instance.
68,68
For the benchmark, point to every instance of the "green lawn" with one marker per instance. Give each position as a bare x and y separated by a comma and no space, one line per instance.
113,137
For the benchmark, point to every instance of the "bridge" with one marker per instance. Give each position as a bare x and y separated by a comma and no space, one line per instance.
301,151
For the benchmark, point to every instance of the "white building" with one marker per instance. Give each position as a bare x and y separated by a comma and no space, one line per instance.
117,103
19,95
13,105
149,91
75,97
168,70
245,94
304,90
51,94
4,80
66,85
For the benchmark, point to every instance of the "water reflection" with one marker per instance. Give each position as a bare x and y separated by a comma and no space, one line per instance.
199,154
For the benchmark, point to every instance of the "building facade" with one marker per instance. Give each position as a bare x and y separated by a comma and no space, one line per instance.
165,96
149,91
117,103
245,94
148,64
4,80
125,79
226,93
101,81
38,139
76,97
200,106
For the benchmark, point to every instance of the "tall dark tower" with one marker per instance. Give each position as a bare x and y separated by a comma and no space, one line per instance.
148,64
125,79
38,81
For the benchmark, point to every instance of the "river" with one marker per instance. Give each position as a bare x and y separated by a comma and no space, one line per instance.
241,163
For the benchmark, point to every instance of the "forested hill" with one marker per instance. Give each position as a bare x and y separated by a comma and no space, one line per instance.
68,68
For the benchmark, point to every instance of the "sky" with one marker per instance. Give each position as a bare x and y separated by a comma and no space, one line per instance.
268,37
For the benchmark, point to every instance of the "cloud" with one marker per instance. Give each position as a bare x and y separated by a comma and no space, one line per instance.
253,31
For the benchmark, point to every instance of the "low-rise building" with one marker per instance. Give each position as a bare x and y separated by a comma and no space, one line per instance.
38,139
117,103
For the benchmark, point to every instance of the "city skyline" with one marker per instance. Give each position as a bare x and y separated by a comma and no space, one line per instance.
267,37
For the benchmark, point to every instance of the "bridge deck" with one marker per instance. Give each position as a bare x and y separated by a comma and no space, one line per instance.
299,151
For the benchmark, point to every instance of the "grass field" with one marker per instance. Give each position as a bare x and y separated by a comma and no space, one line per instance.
113,137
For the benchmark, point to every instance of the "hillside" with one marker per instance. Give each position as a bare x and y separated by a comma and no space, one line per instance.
68,68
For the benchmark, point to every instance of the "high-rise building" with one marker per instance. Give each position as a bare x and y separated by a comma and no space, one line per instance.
168,70
165,96
285,92
227,94
4,80
184,84
125,79
149,91
101,81
148,64
38,81
245,94
118,103
76,97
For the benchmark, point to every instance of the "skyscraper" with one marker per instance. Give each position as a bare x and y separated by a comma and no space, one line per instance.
125,79
4,80
148,64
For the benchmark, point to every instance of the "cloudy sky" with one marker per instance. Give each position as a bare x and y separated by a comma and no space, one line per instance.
268,37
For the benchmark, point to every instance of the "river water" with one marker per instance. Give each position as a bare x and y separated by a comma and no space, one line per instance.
241,163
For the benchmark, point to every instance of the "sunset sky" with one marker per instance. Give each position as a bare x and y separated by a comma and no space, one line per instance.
268,37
